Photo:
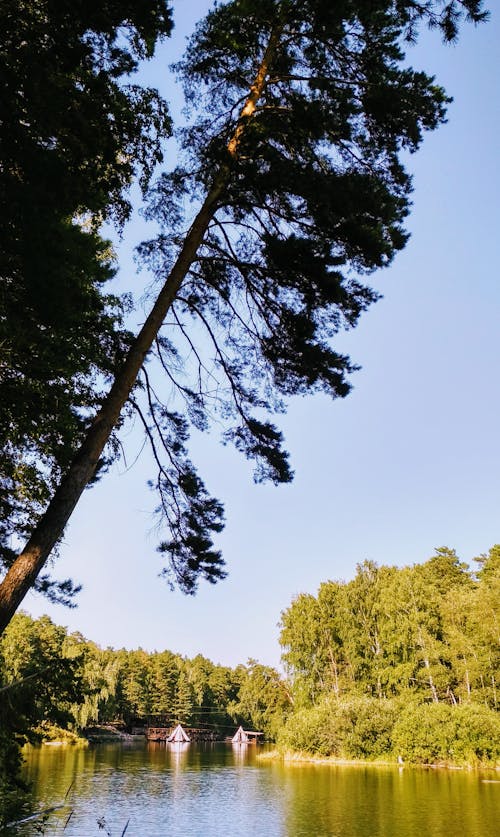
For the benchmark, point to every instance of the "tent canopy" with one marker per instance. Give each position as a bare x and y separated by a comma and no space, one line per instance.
178,735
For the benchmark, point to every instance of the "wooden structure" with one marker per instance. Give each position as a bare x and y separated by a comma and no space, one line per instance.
164,727
157,733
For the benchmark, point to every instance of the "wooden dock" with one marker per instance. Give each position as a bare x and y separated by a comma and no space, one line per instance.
195,734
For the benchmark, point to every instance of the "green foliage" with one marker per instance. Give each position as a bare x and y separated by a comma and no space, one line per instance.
263,698
366,728
478,735
135,684
302,191
430,733
490,565
39,681
48,732
424,638
74,133
427,630
305,731
299,112
13,791
304,654
56,684
99,674
38,686
352,728
397,662
315,189
165,673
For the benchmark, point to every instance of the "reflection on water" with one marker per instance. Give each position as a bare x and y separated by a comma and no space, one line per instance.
209,790
178,753
240,752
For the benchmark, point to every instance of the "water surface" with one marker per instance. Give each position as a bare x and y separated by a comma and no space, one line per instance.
223,791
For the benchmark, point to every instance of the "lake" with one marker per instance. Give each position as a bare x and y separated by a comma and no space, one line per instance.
217,790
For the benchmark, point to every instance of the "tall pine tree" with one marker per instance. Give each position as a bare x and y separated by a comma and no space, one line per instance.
74,132
294,160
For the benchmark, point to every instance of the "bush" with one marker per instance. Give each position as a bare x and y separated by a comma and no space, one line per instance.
367,728
366,725
465,734
353,728
47,732
478,735
13,791
304,731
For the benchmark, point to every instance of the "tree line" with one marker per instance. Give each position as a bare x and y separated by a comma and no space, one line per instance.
288,190
399,661
67,681
56,685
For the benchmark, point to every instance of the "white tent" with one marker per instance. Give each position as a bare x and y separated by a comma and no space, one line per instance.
178,735
240,736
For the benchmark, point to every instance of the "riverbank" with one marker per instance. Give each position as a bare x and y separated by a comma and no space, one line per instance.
53,736
290,757
105,733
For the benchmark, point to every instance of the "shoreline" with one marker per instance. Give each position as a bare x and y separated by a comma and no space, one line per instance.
290,758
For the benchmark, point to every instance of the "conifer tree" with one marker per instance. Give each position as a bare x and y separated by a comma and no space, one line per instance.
74,132
294,161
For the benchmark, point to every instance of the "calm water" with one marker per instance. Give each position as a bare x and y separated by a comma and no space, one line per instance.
221,791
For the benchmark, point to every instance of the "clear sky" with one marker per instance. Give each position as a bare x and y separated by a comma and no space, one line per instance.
408,462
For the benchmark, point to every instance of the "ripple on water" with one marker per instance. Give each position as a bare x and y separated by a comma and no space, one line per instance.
215,791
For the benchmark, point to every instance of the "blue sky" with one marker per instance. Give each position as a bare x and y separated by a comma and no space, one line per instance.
408,462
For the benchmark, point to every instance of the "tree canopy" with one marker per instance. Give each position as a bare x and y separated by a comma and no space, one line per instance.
74,134
397,658
292,163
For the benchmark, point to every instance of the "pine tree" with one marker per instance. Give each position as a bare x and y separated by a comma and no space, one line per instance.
295,162
74,132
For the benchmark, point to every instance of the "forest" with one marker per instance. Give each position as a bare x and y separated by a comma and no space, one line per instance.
69,683
287,190
398,663
400,660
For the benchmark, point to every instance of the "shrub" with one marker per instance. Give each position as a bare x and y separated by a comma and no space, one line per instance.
47,732
478,735
465,734
366,728
304,731
366,725
355,727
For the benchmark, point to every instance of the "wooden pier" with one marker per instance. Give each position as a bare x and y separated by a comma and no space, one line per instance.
194,734
161,727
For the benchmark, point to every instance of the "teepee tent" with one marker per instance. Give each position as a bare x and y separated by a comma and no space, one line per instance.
178,735
240,736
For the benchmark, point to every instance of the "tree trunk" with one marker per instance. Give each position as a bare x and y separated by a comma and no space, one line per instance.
467,678
426,662
335,670
25,569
